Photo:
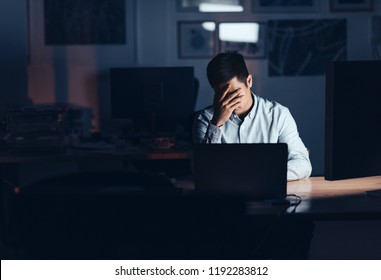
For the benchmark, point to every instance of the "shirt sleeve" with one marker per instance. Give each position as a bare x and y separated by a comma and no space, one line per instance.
205,132
298,165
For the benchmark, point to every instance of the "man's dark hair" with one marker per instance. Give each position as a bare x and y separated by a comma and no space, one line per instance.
225,66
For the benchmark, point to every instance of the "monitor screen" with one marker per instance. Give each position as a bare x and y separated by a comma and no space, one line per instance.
353,120
156,99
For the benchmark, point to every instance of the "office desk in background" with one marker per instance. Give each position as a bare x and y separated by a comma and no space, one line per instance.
11,163
14,167
70,155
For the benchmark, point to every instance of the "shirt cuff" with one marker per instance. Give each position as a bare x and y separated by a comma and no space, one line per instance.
213,133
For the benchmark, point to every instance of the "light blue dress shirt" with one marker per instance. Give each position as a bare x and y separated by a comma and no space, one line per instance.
267,122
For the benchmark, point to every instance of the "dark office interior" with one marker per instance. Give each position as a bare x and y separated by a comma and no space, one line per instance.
89,172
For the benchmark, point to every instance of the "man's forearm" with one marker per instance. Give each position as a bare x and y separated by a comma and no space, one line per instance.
211,135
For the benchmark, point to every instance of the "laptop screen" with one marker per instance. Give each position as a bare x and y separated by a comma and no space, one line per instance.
252,171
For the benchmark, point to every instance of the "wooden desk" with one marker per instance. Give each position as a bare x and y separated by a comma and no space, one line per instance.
341,199
347,222
328,200
318,187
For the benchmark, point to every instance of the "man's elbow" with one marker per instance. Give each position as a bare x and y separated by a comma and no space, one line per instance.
301,169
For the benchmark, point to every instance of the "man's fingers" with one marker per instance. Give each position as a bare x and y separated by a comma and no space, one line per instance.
221,95
233,100
235,106
231,96
225,104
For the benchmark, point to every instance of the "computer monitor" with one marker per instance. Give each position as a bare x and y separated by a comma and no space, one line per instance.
353,119
157,100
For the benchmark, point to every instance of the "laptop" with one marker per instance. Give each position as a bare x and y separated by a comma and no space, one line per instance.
249,171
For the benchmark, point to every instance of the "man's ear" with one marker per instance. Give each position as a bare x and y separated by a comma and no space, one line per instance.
249,81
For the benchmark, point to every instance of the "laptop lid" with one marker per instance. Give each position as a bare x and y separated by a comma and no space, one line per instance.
252,171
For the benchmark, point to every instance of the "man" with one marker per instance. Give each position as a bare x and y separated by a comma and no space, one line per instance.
240,116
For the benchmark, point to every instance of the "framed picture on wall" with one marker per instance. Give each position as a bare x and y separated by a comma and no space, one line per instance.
196,39
276,6
298,47
351,6
248,38
210,6
85,22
